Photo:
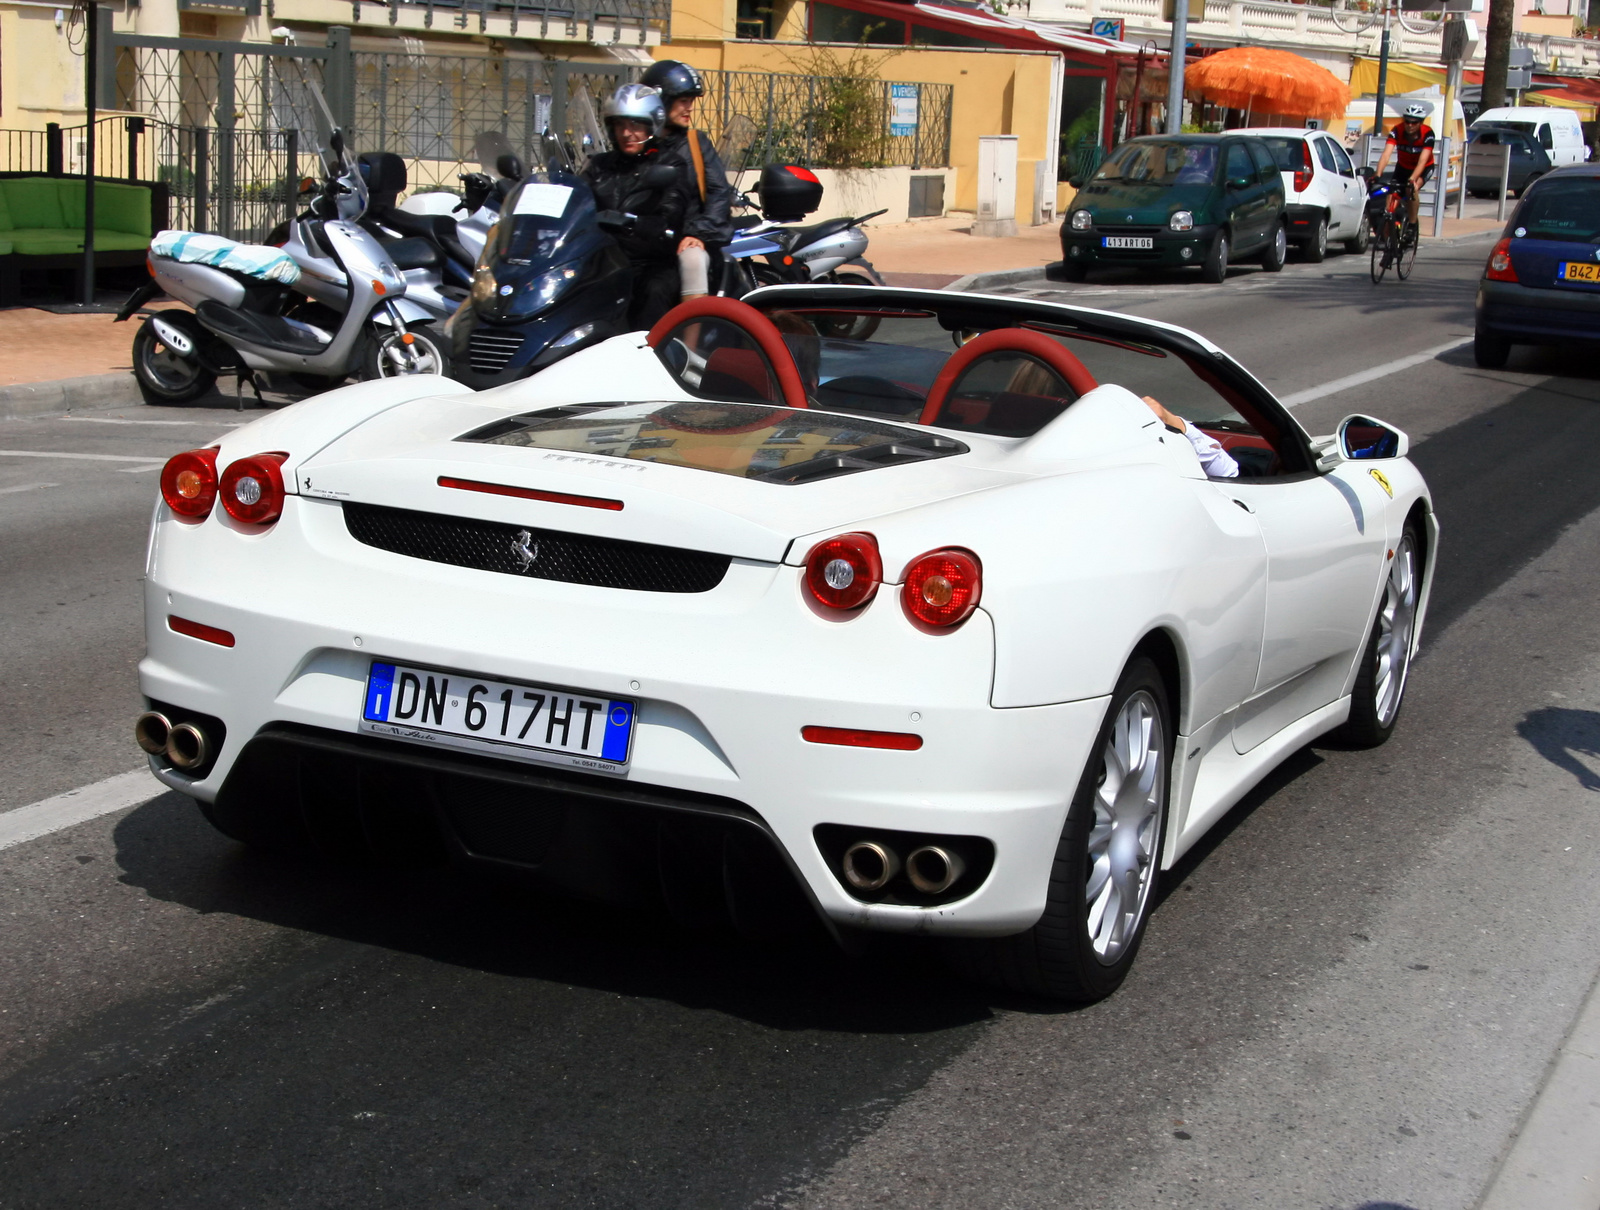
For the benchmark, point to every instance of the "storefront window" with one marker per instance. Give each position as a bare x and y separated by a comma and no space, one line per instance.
830,23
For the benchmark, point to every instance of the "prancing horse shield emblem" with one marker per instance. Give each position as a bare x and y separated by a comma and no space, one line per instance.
525,548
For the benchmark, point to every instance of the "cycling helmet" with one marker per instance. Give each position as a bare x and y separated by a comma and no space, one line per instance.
1416,110
638,103
675,80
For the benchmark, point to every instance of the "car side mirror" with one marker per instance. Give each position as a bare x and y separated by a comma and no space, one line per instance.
1076,181
1363,438
1239,182
1365,172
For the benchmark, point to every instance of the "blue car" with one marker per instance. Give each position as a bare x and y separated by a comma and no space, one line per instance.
1542,281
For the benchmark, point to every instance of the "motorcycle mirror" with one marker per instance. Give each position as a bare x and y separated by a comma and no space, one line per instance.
509,166
336,142
308,184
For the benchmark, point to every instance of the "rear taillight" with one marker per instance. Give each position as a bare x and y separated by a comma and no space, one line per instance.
843,573
189,482
252,489
942,588
1499,267
1302,175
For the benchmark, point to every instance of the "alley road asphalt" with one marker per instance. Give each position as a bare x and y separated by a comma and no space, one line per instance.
1347,998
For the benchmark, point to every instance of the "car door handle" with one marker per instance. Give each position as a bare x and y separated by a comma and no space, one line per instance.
1241,504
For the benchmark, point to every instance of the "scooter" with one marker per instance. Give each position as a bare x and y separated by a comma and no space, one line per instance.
326,305
829,251
549,282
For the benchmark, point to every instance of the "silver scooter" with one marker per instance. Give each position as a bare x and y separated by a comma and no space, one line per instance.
340,315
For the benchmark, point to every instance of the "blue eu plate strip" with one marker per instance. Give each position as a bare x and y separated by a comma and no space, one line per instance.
619,721
380,684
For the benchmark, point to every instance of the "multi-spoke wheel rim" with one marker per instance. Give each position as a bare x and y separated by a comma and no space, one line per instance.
397,360
1396,619
1407,256
1280,245
1126,832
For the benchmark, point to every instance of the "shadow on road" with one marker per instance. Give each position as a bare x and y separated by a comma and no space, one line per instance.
1561,736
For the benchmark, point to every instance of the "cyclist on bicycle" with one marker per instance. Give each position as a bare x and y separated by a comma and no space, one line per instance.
1411,144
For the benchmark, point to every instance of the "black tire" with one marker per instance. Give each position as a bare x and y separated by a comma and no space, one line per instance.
1359,242
163,376
1072,270
1057,958
380,355
1382,253
1377,697
1490,352
859,328
1215,267
1315,249
1277,249
1406,258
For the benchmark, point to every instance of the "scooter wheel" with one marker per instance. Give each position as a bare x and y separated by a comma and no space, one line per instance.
163,376
384,355
859,327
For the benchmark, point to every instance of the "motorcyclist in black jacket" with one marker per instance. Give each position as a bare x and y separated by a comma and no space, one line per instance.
709,224
641,199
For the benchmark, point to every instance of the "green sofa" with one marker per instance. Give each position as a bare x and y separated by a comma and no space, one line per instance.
41,227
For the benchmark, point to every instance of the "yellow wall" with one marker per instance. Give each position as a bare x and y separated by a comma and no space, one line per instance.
996,92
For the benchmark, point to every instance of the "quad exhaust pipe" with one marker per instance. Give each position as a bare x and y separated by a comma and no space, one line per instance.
870,865
185,745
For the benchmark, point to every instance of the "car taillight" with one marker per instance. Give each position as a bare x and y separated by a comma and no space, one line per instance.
252,489
943,587
843,573
1302,175
189,482
1499,267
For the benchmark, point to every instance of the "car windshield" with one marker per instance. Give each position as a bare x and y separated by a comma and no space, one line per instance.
1287,152
1161,163
1560,209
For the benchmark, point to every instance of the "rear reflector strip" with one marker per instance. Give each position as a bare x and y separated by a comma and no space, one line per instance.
848,737
199,630
530,493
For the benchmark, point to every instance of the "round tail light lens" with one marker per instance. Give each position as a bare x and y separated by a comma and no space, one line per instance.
843,573
943,587
252,489
189,482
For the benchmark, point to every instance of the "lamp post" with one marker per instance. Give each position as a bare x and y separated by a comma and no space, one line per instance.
91,48
1180,39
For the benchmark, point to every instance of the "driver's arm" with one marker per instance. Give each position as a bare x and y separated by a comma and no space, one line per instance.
1214,460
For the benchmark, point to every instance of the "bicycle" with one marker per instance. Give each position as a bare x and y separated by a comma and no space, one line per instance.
1394,235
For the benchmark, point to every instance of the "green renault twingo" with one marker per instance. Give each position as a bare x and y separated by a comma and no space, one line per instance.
1166,201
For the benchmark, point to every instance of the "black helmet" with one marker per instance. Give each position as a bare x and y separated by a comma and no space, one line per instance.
674,79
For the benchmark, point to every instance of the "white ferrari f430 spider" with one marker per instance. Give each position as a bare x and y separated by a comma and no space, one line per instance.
900,608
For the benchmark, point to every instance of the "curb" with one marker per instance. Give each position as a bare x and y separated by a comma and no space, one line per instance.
1554,1158
977,283
68,394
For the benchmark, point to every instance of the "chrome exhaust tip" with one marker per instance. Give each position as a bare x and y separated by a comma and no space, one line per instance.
933,870
868,865
187,746
150,732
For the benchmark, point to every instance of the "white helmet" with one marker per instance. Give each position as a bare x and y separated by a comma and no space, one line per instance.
1416,110
638,103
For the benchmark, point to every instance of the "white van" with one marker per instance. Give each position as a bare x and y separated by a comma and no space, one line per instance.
1557,130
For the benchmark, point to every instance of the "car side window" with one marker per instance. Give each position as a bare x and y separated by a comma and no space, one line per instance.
1238,166
1346,168
1325,154
1546,139
1266,167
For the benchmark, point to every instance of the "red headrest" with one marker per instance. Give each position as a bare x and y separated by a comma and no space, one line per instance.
1006,340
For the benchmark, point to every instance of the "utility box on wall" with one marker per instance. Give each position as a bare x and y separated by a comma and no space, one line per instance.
997,185
927,197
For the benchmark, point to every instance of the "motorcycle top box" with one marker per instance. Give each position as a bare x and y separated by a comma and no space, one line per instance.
788,193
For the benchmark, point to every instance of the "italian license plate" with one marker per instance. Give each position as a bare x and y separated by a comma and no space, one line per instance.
1128,241
1577,270
505,718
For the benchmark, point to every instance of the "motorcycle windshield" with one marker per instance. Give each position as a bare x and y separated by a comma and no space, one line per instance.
545,246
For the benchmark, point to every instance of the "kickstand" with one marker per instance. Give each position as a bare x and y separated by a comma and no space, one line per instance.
246,375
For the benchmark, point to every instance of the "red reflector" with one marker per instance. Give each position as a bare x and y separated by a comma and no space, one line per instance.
199,630
530,493
848,737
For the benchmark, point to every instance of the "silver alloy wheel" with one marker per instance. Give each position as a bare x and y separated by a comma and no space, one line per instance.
1396,618
167,369
397,359
1280,245
1123,840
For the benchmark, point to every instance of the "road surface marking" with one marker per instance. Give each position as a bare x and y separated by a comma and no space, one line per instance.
26,487
181,423
78,806
1372,375
160,458
139,470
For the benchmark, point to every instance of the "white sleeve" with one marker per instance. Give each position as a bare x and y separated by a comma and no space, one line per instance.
1214,460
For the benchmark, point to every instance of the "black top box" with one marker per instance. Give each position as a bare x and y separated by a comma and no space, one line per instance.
788,193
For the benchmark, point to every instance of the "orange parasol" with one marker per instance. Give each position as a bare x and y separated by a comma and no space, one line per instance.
1268,81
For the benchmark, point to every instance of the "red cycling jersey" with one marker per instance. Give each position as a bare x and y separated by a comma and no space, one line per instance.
1408,147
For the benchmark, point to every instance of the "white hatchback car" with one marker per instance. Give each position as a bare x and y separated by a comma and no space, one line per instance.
1324,199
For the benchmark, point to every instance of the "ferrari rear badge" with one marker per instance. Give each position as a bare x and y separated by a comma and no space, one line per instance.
525,549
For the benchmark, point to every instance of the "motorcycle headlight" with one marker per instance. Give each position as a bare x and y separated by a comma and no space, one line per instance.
547,287
1081,220
1181,220
483,284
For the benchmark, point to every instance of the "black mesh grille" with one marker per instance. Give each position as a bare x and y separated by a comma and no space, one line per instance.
488,350
501,821
573,558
